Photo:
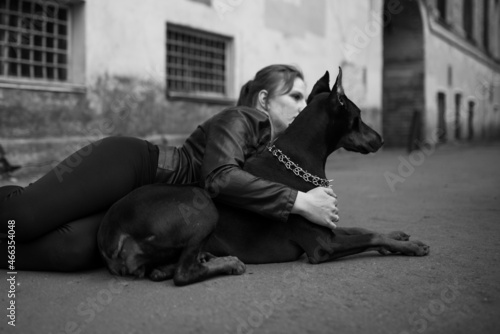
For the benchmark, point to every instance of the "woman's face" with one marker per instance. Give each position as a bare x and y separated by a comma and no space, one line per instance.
284,108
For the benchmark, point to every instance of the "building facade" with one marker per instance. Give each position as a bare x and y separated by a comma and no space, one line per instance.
442,72
91,68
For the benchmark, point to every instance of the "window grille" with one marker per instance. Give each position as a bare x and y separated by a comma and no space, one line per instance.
34,39
196,62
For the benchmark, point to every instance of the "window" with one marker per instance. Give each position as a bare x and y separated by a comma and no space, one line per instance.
197,63
34,40
441,6
468,19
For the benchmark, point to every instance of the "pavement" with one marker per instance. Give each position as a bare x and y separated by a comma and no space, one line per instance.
448,198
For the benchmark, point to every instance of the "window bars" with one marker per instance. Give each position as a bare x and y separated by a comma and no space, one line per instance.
196,61
34,40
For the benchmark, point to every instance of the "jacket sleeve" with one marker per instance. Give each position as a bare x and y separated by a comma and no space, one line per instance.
227,142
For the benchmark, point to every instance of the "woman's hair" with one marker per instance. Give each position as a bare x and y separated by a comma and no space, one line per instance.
270,78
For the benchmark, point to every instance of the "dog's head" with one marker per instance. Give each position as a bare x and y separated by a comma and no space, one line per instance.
344,117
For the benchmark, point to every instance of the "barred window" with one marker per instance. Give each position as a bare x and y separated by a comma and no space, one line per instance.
34,39
197,62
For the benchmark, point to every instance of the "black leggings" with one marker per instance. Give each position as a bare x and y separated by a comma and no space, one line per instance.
57,217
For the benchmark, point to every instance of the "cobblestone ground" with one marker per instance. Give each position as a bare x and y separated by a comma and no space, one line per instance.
448,198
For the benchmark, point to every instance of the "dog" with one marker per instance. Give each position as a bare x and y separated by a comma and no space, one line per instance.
181,232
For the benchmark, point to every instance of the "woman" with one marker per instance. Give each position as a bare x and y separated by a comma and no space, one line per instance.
56,219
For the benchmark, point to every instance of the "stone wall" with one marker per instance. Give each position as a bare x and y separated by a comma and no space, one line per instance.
114,105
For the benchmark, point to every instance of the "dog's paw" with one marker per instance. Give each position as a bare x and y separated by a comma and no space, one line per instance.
384,251
235,266
158,275
162,273
417,248
395,235
398,235
230,265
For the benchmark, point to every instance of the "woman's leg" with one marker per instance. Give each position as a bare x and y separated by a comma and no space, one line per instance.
70,247
87,182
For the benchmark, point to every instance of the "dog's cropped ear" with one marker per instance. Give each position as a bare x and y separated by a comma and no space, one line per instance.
321,86
338,89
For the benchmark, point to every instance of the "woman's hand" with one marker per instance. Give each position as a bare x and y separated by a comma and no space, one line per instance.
319,206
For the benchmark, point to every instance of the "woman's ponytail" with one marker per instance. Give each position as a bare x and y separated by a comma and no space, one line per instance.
245,98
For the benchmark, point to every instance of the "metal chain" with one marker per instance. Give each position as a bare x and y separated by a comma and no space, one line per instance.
289,164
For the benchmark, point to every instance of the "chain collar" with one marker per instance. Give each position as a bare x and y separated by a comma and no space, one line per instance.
317,181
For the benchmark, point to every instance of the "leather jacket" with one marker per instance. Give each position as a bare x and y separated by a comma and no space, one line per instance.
214,155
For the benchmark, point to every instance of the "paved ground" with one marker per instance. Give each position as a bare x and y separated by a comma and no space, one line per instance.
450,199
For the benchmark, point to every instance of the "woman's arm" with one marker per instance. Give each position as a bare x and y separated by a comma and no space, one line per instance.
228,138
236,187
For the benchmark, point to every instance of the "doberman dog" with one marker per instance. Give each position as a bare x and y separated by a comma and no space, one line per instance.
164,231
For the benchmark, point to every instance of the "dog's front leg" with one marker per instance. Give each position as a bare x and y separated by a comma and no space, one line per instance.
396,235
325,245
333,245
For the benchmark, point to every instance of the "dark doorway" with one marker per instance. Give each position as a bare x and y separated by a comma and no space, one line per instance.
470,120
403,74
441,129
458,125
468,18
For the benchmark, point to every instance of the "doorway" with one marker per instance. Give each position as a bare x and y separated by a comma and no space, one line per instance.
470,120
458,125
441,128
403,73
